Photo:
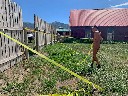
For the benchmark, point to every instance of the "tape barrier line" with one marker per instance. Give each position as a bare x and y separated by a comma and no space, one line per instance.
56,95
52,61
89,52
27,29
75,93
90,49
30,29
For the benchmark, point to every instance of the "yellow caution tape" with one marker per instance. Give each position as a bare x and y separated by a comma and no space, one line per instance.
89,52
90,49
70,94
52,61
30,30
37,31
87,55
56,95
75,93
33,30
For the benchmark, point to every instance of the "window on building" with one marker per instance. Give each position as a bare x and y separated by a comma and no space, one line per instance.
110,33
87,33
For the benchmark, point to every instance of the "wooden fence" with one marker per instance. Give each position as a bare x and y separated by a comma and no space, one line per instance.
46,33
11,24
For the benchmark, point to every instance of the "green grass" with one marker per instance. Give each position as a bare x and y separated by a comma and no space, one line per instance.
41,77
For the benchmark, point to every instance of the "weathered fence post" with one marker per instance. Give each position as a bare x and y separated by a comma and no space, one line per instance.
37,39
26,43
51,37
22,41
54,36
45,34
57,35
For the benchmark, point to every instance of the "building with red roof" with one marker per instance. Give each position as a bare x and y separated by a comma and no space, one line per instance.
113,23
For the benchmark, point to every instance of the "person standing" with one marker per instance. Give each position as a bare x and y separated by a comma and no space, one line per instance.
96,45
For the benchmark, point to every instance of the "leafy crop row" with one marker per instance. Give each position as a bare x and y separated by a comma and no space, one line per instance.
41,77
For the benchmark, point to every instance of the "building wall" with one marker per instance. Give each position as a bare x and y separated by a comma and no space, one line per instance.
120,32
78,32
106,19
64,33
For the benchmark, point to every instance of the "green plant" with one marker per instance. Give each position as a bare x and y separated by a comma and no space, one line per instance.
41,76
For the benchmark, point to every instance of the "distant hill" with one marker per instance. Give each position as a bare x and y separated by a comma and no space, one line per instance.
59,24
28,25
55,24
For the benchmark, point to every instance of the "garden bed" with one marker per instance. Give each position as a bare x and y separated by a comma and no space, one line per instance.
38,76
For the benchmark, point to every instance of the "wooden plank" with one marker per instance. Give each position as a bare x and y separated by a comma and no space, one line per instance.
12,29
44,26
11,23
26,43
37,39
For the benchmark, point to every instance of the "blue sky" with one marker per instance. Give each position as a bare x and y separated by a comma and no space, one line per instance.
59,10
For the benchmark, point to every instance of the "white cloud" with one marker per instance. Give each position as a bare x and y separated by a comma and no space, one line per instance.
123,4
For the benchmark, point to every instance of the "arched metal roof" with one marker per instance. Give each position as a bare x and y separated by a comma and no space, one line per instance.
103,17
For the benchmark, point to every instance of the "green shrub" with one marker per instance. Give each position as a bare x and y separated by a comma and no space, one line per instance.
114,42
76,40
